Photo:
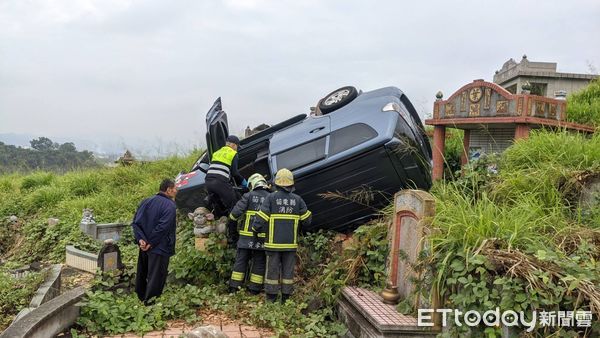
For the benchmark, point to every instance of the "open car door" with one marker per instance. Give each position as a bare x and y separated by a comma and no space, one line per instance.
217,128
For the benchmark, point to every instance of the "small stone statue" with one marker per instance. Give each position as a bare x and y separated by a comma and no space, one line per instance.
88,216
205,223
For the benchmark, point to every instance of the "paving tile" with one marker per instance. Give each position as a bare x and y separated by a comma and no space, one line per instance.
153,334
233,334
231,328
173,332
251,334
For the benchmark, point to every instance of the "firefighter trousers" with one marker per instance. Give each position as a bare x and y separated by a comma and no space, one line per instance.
257,271
280,266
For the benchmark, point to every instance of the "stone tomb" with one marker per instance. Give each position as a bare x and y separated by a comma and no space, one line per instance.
100,232
109,257
367,314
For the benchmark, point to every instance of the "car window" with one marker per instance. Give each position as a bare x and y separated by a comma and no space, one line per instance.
302,155
350,136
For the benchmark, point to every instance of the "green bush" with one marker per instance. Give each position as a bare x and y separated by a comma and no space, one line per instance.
108,312
16,294
208,267
113,193
36,180
516,239
584,106
83,183
548,150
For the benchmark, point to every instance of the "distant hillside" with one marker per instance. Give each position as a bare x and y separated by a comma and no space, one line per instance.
44,154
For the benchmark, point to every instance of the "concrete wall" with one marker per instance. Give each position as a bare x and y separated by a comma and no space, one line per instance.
81,260
49,289
48,320
553,85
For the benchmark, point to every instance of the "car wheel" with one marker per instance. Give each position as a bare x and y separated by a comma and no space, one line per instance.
337,99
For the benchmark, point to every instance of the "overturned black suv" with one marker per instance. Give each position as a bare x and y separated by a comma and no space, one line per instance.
348,158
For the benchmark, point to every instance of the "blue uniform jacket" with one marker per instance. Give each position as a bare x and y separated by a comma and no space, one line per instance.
155,223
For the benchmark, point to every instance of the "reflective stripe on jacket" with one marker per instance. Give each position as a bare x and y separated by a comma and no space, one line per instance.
220,163
248,207
281,216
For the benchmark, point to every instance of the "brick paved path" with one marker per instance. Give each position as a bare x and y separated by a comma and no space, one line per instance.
232,330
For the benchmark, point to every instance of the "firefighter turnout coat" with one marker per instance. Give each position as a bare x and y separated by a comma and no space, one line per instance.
247,208
280,218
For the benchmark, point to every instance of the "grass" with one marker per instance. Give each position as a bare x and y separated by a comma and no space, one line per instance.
113,193
517,239
584,106
16,294
521,233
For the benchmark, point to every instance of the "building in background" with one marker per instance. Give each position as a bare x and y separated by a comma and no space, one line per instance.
525,96
541,77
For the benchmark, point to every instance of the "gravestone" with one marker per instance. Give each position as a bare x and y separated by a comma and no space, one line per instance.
413,212
100,232
368,314
109,258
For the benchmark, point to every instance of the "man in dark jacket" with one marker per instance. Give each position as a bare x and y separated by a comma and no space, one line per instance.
249,244
154,230
281,217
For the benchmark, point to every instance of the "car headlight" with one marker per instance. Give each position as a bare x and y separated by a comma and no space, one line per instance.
392,106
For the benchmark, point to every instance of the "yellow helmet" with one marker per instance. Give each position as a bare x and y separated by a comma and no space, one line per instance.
257,180
284,178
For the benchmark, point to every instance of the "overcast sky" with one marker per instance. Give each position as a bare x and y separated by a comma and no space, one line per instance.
131,71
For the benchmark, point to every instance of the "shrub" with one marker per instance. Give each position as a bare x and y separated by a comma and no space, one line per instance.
516,240
584,106
113,193
36,180
15,294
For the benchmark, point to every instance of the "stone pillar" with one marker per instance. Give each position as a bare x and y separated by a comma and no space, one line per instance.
466,141
522,131
439,144
413,212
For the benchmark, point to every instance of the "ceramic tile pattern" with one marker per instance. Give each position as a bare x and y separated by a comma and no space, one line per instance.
374,309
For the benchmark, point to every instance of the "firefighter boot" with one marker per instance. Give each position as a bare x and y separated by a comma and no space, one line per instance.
271,297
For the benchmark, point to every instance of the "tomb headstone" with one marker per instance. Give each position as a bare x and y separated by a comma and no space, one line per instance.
367,314
413,212
109,258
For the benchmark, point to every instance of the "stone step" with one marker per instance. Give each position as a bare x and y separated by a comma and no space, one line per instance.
365,315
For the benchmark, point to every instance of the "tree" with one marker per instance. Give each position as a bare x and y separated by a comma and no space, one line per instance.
43,144
45,155
68,147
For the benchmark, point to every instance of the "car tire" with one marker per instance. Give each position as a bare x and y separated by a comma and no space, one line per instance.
337,99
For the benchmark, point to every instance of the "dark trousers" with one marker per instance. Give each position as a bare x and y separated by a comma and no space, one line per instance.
280,264
151,275
257,271
224,191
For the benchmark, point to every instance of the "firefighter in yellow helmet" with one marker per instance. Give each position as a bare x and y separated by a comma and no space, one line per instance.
249,244
280,218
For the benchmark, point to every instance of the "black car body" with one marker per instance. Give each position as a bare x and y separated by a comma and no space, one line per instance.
347,162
